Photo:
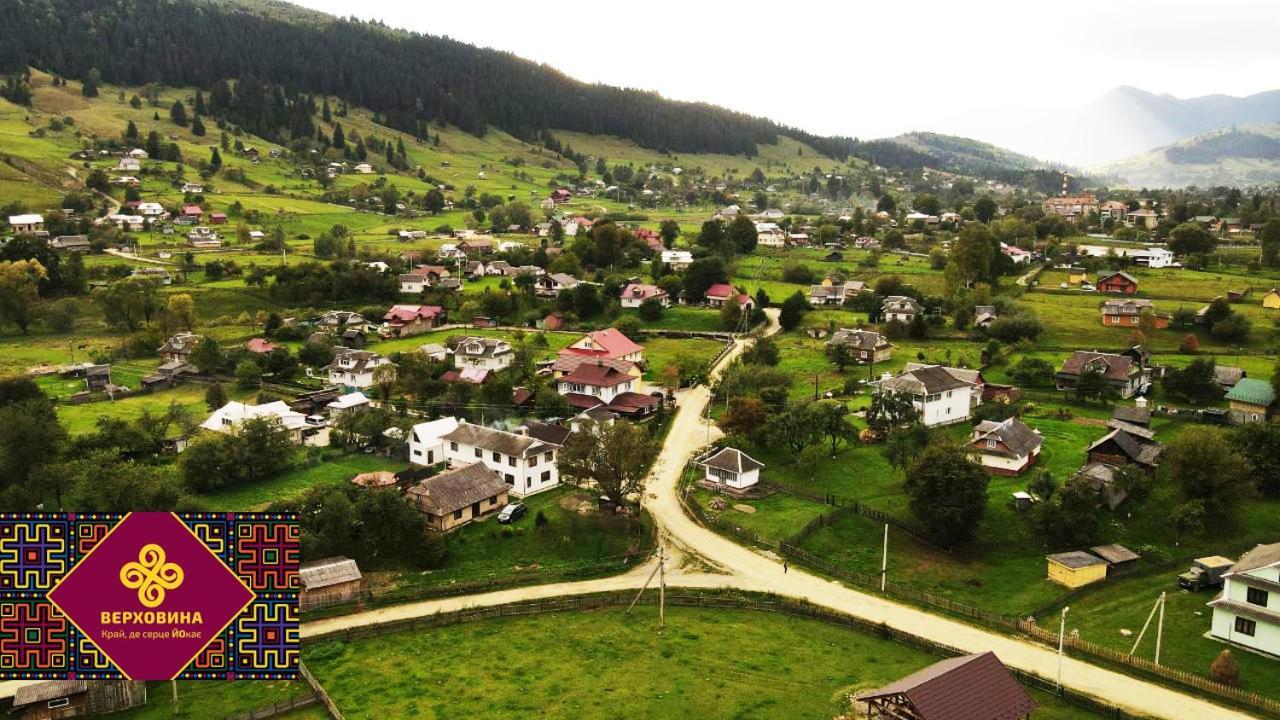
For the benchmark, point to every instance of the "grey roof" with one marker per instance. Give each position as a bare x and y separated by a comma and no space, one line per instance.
181,343
1227,375
901,304
1259,556
926,380
972,377
453,490
1127,306
1145,433
859,339
1132,415
733,460
328,571
48,690
473,346
1114,553
1138,449
546,432
1014,434
496,440
1077,559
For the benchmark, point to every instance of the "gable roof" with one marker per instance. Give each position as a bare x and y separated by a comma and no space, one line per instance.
1253,392
721,290
596,375
609,342
969,687
1132,415
1259,557
1140,450
1113,367
641,291
409,313
859,339
495,440
1014,434
569,363
48,690
453,490
733,460
328,571
1118,274
1114,553
926,380
546,432
973,377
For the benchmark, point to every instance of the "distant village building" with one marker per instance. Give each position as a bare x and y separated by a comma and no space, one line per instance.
609,343
1124,374
1128,313
1250,401
527,464
1009,447
231,416
329,581
1118,282
1071,207
407,320
720,293
900,308
26,224
866,346
939,397
1076,568
634,295
731,470
355,368
458,496
829,293
482,352
58,699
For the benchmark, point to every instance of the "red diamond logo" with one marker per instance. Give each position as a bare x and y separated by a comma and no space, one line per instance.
151,596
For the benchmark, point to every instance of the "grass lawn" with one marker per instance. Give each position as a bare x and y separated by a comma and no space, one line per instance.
1124,604
297,481
81,419
682,317
660,352
583,665
574,536
219,698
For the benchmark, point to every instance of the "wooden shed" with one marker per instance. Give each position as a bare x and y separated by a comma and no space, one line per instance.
1076,568
329,581
57,699
969,687
1119,558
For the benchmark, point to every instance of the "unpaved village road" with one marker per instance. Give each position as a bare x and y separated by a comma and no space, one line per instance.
742,568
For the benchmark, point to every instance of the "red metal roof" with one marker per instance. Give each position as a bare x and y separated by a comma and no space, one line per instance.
969,687
409,313
610,343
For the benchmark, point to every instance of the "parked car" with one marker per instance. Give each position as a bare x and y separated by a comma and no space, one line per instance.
1086,287
512,513
1205,572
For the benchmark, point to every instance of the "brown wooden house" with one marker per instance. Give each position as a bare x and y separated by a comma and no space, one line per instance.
969,687
329,581
57,699
457,497
1118,283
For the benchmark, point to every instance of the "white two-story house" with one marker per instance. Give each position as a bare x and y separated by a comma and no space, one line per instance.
354,368
939,396
1248,610
484,353
601,380
526,463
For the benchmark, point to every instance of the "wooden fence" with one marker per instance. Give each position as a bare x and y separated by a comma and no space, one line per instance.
761,602
321,694
277,708
1147,667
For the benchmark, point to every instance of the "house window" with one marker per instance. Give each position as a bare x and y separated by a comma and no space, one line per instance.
453,446
533,461
1256,596
497,457
511,479
479,454
1245,626
991,443
59,703
511,461
457,514
549,456
493,501
546,476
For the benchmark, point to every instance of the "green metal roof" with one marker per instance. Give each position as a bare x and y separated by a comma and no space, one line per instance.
1252,391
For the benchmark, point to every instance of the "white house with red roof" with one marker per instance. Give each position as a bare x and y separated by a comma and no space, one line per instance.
259,346
572,226
600,381
720,293
406,320
635,294
609,344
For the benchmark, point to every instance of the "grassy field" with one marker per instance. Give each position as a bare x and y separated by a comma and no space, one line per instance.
210,699
707,664
295,482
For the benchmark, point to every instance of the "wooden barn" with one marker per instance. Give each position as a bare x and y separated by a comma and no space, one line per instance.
329,581
57,699
969,687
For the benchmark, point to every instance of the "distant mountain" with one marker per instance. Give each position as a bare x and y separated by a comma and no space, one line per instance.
965,156
1127,121
1239,155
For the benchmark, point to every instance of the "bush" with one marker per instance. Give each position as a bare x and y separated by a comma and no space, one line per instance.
1224,669
798,273
651,310
540,520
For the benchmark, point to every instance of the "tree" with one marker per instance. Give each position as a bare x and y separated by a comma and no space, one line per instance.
1187,519
842,356
793,310
1043,485
927,204
1224,669
178,113
30,439
248,374
970,260
904,444
1093,384
1196,382
1033,372
711,234
832,420
615,456
197,127
1260,445
764,351
62,315
731,313
746,416
182,309
1190,344
1071,517
89,86
215,396
208,356
1191,239
948,492
1270,239
742,233
889,410
258,449
215,161
701,275
20,291
794,428
669,230
1208,467
651,310
984,209
433,201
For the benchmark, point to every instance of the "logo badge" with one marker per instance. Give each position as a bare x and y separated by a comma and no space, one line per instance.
151,596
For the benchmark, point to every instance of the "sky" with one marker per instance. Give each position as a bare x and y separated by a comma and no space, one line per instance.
875,69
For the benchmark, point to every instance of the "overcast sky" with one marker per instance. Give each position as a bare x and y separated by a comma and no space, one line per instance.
876,68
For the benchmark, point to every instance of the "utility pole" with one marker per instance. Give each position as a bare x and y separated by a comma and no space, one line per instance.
174,685
661,573
884,562
1062,632
1160,628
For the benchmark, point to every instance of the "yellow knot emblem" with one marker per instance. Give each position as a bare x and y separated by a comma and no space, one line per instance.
151,576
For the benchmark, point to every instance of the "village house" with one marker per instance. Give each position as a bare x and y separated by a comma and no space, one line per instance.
984,315
1118,282
128,164
1017,254
476,246
484,353
177,349
1127,445
1077,276
719,293
151,210
1071,207
609,344
1153,257
1227,376
26,224
527,464
1006,448
71,243
59,699
730,470
900,308
1113,209
192,212
406,320
260,346
866,346
1144,218
329,581
634,295
939,397
1128,313
969,687
552,284
458,496
1126,375
832,293
347,403
973,377
1247,611
567,364
354,368
1271,299
192,188
1250,401
422,277
230,416
425,445
770,235
679,260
